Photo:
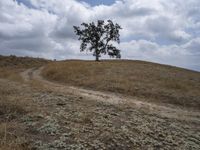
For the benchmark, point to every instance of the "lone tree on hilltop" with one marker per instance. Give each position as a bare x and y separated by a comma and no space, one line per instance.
96,37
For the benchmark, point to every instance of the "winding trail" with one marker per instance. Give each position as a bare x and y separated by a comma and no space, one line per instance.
111,98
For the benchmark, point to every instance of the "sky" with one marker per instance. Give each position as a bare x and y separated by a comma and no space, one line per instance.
166,32
99,2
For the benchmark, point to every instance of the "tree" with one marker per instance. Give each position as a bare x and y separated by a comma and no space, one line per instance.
97,36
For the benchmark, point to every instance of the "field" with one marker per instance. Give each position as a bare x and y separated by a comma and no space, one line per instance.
11,66
121,105
144,80
14,101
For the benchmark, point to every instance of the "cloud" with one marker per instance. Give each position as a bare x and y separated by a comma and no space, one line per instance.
193,47
161,31
186,55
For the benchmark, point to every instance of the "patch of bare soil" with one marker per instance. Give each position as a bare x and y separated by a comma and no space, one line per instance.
74,118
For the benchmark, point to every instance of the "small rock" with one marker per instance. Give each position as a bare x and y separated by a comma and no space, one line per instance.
61,104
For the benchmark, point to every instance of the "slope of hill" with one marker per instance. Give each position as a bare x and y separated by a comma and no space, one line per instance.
10,66
147,81
37,113
21,62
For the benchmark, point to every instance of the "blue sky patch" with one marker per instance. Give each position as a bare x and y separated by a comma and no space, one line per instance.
26,3
99,2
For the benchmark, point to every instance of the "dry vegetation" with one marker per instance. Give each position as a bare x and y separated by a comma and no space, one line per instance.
39,119
12,108
149,81
13,102
11,66
34,115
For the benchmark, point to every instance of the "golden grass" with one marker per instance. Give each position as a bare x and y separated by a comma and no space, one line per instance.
11,74
21,62
12,66
12,107
149,81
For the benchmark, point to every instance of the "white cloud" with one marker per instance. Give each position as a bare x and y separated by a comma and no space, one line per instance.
156,30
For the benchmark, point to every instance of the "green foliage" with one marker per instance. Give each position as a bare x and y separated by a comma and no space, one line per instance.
96,37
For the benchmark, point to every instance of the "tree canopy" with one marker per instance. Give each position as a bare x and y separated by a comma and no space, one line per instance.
97,37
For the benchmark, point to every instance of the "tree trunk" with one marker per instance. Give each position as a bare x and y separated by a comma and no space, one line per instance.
97,57
97,54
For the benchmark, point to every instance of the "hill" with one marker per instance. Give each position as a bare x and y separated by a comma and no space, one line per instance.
21,62
11,66
97,105
147,81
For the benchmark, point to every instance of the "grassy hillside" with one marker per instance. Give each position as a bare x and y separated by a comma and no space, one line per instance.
20,62
10,66
149,81
36,115
13,102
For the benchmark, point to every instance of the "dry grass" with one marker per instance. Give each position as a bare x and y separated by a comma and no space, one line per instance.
149,81
21,62
12,107
11,74
33,116
11,66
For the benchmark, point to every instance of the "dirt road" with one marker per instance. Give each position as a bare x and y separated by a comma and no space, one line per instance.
112,98
66,117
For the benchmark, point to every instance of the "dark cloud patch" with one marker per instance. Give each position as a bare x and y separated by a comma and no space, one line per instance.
63,30
31,44
166,31
193,47
160,24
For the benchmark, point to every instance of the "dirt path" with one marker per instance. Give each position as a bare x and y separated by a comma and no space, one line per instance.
34,74
112,98
49,115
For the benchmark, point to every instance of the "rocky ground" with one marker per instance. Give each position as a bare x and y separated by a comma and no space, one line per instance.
59,119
